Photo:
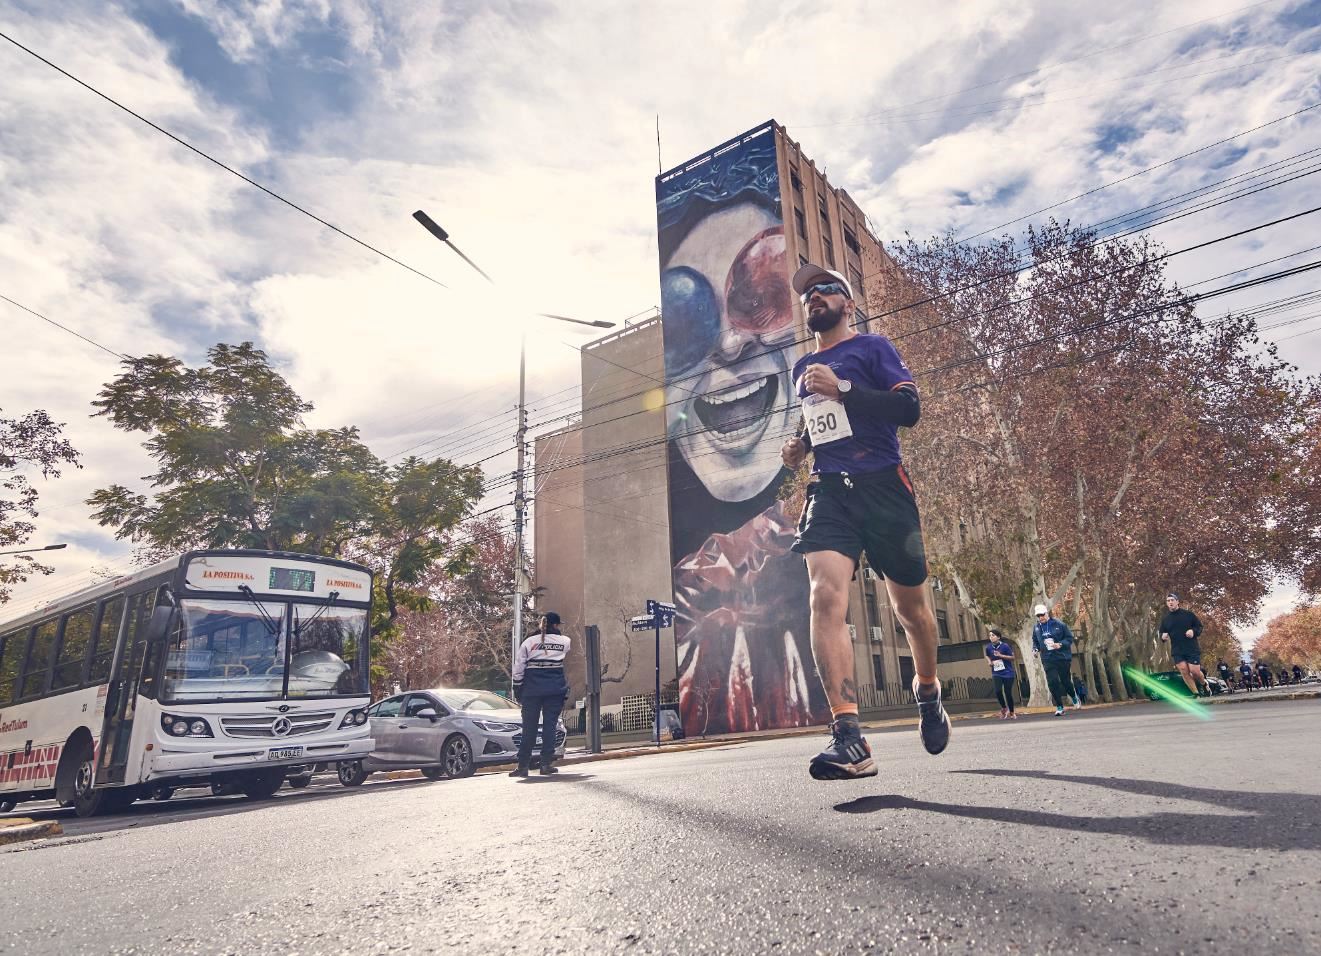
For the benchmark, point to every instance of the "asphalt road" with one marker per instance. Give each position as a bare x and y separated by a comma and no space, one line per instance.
1137,829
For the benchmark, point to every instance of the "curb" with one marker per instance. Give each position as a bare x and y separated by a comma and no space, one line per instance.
1266,698
21,829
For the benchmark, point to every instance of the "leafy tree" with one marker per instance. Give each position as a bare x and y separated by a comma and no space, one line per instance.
237,468
28,444
1293,638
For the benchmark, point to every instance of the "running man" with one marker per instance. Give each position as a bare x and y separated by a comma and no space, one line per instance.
1225,674
1181,628
1001,655
1053,642
856,393
1245,669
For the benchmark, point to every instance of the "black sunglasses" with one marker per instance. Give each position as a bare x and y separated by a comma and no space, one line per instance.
824,288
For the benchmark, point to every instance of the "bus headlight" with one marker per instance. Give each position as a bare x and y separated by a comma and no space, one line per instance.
354,718
185,726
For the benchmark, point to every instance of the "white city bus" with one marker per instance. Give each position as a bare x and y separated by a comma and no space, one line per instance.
220,667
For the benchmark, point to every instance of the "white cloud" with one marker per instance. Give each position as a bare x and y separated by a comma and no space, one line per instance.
528,131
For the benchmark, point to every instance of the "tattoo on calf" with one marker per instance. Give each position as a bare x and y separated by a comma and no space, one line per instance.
848,690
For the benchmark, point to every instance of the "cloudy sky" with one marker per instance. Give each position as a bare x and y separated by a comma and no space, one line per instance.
529,131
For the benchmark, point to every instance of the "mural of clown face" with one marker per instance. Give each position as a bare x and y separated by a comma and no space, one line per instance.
729,319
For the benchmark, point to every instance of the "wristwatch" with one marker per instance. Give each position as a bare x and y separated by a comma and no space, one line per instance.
844,387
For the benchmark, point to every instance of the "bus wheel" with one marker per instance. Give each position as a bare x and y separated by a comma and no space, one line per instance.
87,800
351,773
263,784
162,793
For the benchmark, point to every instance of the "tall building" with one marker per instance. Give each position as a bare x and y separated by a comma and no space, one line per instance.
671,482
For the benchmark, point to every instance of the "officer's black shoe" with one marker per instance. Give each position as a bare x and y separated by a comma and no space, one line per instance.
547,770
519,771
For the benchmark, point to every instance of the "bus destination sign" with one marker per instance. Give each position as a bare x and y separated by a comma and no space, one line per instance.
292,579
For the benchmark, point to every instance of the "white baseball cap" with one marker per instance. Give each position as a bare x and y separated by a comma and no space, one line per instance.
811,273
1041,609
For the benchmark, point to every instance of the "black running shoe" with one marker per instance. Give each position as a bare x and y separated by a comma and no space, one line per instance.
933,723
848,756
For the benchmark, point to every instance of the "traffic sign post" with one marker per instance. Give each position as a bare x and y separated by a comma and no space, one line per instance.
660,614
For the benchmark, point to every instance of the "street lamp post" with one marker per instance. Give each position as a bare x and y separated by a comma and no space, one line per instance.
520,436
49,547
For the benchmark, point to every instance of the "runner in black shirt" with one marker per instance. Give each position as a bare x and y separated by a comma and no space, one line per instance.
1182,628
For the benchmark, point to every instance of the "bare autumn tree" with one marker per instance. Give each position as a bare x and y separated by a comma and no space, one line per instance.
1089,442
30,445
1293,638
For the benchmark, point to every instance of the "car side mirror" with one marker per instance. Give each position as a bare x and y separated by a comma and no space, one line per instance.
429,713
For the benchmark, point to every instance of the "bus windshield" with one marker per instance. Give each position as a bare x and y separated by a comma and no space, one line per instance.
237,650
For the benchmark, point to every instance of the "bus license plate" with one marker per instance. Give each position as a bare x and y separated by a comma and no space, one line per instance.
285,753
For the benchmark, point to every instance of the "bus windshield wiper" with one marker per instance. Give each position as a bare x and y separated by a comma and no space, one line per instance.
272,625
298,627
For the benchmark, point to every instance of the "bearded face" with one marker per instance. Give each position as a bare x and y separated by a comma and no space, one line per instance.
728,312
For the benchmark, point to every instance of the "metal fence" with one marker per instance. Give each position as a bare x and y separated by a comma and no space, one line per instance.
878,697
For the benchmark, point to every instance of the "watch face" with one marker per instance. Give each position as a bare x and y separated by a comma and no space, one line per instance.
845,385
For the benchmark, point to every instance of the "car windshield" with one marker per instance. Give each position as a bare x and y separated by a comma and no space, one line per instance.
239,650
475,700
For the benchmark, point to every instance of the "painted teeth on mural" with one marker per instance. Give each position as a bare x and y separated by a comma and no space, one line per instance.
737,412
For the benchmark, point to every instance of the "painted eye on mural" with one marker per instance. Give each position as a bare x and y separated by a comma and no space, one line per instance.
757,295
691,311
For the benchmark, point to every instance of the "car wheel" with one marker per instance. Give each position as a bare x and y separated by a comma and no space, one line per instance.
298,783
433,773
262,784
161,793
351,773
456,757
6,805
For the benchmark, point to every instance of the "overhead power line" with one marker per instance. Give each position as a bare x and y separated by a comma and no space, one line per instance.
229,169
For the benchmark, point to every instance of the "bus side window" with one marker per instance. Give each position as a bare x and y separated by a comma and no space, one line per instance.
151,663
36,668
75,639
11,652
103,646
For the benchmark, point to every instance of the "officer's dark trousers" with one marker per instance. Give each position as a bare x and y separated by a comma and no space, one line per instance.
543,709
1059,680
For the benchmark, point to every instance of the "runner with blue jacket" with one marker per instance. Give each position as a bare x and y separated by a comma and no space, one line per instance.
1053,641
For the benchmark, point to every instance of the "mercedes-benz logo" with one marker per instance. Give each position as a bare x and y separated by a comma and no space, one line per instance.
281,726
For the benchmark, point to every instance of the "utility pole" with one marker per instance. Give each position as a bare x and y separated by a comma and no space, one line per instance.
520,439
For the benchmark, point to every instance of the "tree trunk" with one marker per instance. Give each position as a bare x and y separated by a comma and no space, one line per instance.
1102,680
1117,677
1039,691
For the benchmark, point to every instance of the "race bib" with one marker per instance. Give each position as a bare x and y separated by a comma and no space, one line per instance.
997,665
827,421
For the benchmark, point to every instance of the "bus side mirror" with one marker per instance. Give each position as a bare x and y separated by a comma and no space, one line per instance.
158,628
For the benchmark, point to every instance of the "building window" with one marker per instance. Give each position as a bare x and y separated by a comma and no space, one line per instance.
821,203
795,181
942,625
800,221
872,615
802,261
855,279
830,252
878,670
851,241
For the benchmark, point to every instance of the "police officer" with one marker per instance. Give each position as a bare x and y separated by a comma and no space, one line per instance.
540,687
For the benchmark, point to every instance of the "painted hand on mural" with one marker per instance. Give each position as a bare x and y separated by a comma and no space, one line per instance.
742,631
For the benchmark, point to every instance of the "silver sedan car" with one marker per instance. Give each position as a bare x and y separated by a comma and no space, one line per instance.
444,732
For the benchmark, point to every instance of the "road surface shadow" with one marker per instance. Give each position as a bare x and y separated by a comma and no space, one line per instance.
1266,821
561,777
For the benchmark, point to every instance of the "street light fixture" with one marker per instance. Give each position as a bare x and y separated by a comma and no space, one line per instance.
49,547
520,436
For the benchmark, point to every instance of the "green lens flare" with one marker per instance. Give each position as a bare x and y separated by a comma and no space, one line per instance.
1147,683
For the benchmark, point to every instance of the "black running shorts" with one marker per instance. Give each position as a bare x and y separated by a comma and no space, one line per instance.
1186,652
875,513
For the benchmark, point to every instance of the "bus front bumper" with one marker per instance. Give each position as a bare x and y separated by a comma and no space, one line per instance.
165,763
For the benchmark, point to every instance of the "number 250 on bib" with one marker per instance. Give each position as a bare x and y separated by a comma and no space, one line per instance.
827,421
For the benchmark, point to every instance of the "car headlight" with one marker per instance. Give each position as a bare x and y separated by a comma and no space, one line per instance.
185,726
354,718
498,726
